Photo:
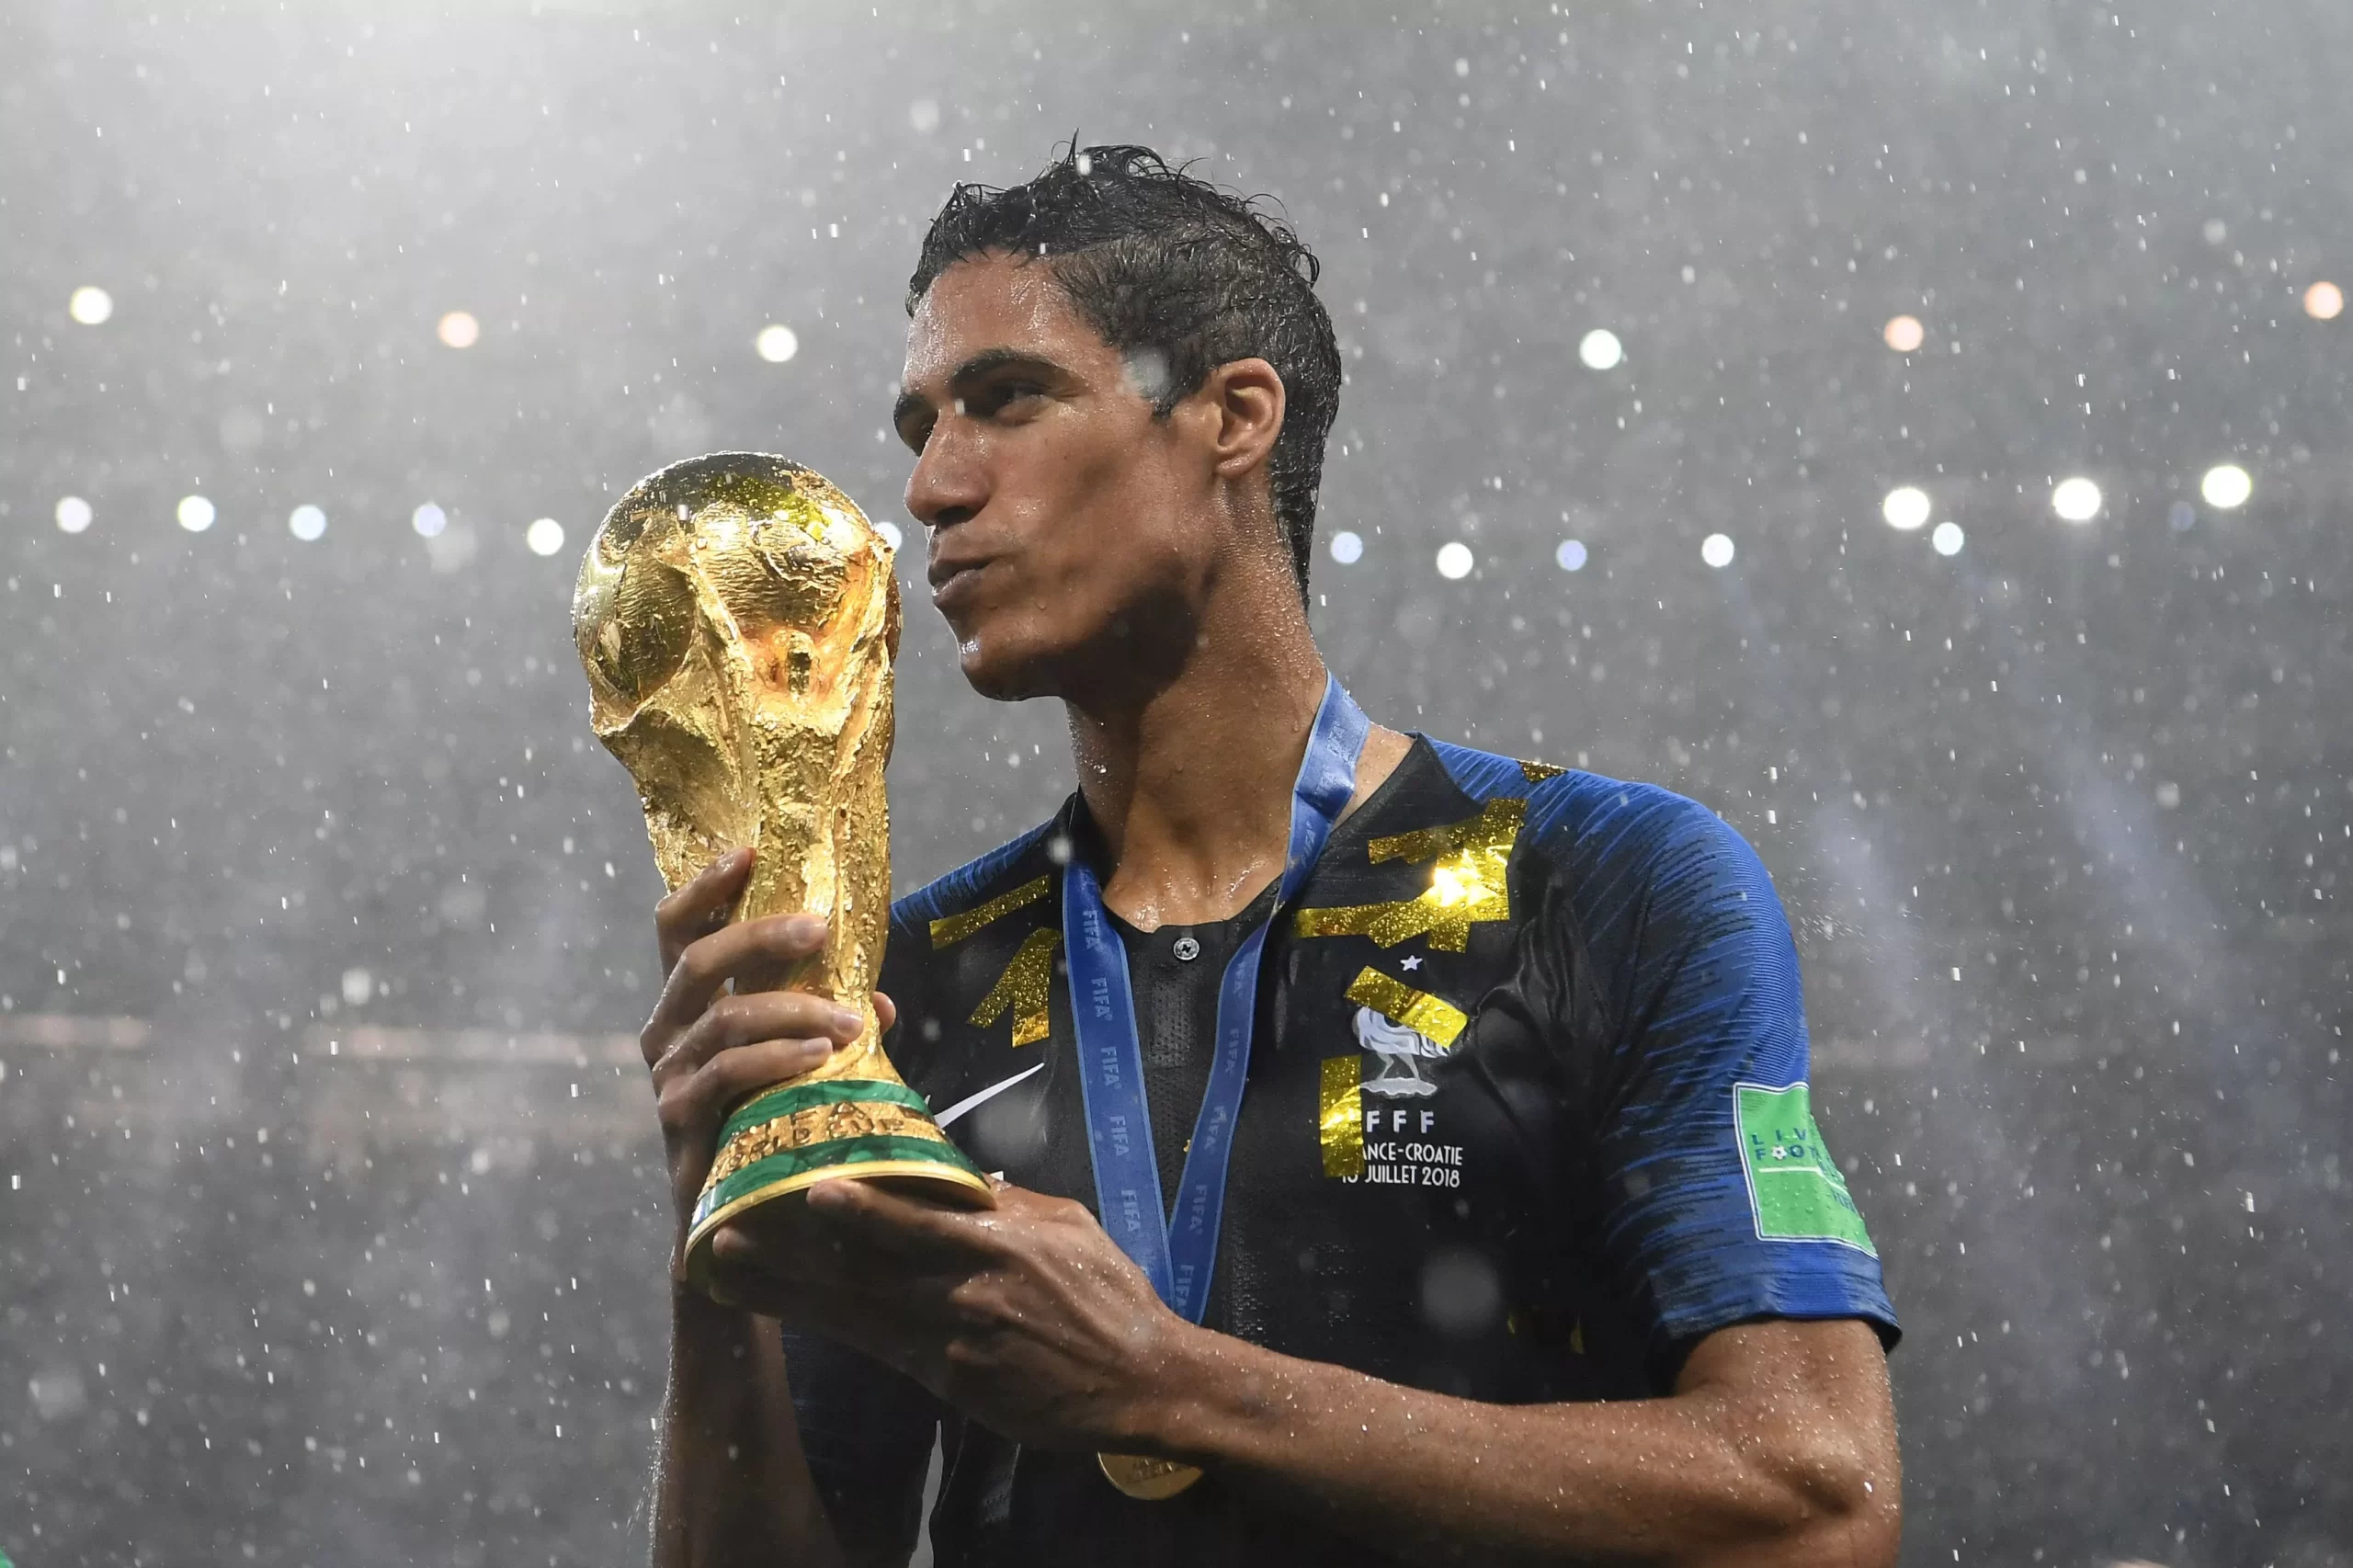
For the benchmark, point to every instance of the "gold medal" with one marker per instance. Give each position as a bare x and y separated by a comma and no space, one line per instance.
1145,1477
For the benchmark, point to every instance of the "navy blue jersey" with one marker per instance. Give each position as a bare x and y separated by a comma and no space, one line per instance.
1526,1117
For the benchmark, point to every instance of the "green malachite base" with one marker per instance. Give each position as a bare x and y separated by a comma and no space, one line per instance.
788,1139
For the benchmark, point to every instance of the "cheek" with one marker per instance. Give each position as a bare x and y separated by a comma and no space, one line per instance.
1114,525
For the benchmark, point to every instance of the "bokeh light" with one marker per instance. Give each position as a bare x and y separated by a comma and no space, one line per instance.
890,531
1348,549
195,514
306,522
1570,556
90,304
2323,302
1600,349
428,520
1716,550
1946,539
545,535
2076,499
1906,508
1454,560
922,115
73,514
460,330
1905,334
777,343
2226,485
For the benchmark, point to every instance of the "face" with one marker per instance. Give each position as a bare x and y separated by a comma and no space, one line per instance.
1071,533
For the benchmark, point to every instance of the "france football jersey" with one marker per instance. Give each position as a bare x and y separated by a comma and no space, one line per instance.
1526,1117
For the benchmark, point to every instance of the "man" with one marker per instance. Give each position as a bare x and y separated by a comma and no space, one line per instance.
1449,1112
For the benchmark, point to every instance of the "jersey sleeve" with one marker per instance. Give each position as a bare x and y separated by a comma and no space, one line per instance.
1720,1203
867,1432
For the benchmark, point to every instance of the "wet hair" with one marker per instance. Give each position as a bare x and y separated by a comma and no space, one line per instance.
1177,276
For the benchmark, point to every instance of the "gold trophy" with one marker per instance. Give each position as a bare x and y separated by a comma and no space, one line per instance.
737,616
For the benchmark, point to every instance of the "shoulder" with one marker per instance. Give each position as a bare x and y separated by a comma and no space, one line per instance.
1598,827
1011,870
987,933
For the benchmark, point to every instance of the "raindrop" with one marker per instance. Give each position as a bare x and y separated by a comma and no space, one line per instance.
195,514
90,304
2216,231
2226,485
777,343
1570,556
1905,334
1905,508
1454,560
1462,1295
1946,539
924,115
306,522
460,330
2076,499
428,520
545,535
1716,550
58,1392
73,514
1600,349
1348,549
1147,374
357,986
2182,516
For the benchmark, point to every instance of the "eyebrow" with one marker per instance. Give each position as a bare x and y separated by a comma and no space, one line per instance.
987,362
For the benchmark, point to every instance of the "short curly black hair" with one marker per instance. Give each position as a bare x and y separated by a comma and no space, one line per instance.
1160,261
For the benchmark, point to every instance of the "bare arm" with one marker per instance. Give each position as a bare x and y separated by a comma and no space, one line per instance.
734,1487
1777,1447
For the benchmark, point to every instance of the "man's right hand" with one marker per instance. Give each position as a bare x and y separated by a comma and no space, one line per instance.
708,1047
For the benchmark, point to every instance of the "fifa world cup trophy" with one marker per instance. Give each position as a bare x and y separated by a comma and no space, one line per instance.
738,616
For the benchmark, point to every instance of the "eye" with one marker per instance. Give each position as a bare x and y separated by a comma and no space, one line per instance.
1003,395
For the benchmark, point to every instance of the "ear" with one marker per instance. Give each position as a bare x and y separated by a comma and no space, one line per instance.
1246,397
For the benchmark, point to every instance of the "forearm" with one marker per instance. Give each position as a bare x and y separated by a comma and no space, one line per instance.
1683,1479
734,1487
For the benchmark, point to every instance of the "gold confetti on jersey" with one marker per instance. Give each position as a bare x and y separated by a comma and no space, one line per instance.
1467,883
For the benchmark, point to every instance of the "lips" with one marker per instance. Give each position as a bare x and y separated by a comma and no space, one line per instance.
954,581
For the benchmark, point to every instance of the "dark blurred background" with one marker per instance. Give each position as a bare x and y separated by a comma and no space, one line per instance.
332,1226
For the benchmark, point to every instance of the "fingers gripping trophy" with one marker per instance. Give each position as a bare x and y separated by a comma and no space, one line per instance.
737,617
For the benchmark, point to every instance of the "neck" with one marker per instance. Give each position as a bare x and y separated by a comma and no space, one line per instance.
1189,777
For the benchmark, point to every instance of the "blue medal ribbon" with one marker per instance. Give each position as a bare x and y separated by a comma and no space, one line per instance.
1177,1249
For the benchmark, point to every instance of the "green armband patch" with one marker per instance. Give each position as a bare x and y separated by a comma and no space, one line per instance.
1795,1187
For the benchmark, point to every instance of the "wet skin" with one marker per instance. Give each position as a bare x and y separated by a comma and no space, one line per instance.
1131,564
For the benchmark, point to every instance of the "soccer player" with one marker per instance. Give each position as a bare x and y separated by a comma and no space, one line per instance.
1406,1149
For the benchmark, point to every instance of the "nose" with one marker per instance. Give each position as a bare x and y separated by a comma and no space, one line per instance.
949,483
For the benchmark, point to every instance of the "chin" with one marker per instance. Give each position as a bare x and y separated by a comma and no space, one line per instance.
999,671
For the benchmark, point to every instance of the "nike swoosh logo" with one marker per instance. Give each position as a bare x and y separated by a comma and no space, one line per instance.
971,1102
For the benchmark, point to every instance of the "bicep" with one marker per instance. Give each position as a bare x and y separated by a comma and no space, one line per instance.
1720,1204
1808,1402
867,1432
